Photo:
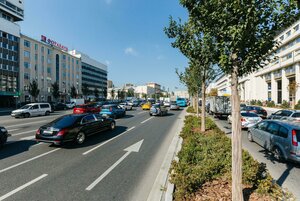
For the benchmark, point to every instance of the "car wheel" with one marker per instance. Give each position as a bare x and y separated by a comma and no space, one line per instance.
47,113
250,138
278,155
3,140
150,114
112,126
27,115
80,138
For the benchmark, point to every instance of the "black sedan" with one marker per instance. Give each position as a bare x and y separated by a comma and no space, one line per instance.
3,136
74,127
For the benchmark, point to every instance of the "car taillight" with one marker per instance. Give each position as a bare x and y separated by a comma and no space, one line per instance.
294,138
243,119
38,132
62,132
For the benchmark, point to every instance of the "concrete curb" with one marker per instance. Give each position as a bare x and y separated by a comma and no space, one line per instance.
162,189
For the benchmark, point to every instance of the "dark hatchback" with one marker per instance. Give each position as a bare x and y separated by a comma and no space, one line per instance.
3,136
74,127
258,110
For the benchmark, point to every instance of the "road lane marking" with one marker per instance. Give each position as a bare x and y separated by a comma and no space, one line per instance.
25,124
133,148
141,112
23,133
22,187
28,138
146,120
100,145
13,130
28,160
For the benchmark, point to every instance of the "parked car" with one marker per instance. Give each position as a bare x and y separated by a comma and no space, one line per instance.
285,114
70,105
248,119
113,111
167,103
135,103
243,106
126,106
258,110
3,136
174,106
87,108
59,106
282,138
33,109
146,106
158,110
74,127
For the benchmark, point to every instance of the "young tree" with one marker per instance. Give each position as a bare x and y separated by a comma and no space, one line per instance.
55,90
130,93
96,93
105,93
201,50
85,90
119,94
244,32
73,92
112,94
34,89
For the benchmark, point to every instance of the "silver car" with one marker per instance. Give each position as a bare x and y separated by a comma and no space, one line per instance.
248,119
282,138
174,106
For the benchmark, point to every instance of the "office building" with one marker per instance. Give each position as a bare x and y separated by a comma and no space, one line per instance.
11,12
157,87
94,74
47,62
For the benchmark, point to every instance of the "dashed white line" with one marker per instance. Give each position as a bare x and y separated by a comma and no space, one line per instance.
22,187
141,112
146,120
25,124
23,133
13,130
100,145
28,138
28,160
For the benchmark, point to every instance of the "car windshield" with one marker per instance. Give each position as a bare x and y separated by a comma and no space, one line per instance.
64,121
180,99
249,114
26,107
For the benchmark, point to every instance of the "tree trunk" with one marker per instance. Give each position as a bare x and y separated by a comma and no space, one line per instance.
203,106
197,104
237,190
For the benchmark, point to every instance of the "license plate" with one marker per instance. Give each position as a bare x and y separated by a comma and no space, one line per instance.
47,133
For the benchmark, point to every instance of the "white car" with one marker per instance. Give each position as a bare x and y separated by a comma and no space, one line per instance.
32,109
174,106
167,104
126,106
70,105
248,119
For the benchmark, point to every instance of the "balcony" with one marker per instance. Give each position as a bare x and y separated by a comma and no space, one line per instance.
268,77
278,74
290,71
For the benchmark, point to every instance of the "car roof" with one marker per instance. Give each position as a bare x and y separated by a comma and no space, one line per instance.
286,123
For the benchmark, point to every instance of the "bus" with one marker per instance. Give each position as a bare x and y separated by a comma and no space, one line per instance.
181,102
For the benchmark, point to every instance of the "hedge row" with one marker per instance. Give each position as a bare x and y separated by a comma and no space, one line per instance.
207,156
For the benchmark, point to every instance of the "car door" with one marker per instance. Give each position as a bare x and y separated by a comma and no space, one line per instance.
271,135
89,124
277,115
119,110
282,139
101,122
259,132
35,110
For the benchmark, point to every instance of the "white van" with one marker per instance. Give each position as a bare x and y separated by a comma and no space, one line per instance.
32,109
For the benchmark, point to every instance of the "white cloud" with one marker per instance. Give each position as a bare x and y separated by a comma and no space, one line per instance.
108,2
107,62
130,51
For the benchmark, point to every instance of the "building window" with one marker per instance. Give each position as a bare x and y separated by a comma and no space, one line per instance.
281,37
26,64
49,51
49,61
64,57
26,54
288,33
269,91
42,49
26,76
36,46
77,61
26,43
36,57
49,70
296,28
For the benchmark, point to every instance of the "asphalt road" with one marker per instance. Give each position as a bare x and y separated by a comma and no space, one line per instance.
287,174
113,165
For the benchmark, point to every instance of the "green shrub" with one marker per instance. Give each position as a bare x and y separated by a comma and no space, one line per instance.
259,103
207,156
191,110
253,102
297,106
285,104
270,104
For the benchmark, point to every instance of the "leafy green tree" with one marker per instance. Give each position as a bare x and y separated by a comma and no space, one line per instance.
112,94
244,33
144,96
96,93
119,94
55,90
105,93
130,93
34,89
73,92
122,94
85,90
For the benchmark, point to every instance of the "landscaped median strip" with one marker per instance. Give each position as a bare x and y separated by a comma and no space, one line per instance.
100,145
28,160
22,187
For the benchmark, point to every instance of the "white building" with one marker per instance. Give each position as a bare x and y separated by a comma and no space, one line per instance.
272,82
141,90
181,94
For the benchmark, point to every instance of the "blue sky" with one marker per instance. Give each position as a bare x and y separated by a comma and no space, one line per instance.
127,35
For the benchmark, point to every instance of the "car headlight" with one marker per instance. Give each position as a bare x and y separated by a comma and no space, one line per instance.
3,130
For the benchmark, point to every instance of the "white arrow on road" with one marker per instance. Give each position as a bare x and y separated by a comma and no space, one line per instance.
133,148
